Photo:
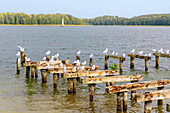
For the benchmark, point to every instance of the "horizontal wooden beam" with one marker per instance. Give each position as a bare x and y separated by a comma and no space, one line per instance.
111,79
137,85
154,95
70,69
117,57
91,73
45,63
139,56
162,55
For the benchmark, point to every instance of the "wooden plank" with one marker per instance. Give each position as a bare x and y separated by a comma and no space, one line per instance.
44,63
69,69
154,95
112,79
138,85
162,55
117,57
139,56
91,73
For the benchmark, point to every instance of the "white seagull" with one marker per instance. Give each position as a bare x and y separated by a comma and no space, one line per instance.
133,51
93,67
105,51
18,54
123,55
84,63
22,49
149,54
48,52
91,56
52,59
61,64
154,50
78,53
116,54
44,58
28,59
113,53
140,52
56,56
161,50
167,51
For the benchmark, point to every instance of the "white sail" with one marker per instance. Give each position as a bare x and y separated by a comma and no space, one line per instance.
63,22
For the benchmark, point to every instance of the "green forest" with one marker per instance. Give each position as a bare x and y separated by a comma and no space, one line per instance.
56,19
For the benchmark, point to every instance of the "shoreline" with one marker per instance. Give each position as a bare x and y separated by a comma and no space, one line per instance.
84,25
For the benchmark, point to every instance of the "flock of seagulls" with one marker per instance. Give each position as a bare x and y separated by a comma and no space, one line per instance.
113,53
161,51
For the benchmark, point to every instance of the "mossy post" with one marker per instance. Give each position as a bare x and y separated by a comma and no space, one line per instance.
106,61
132,62
22,57
91,62
55,79
157,61
121,65
27,71
44,76
47,58
18,65
92,87
146,64
70,85
36,72
160,102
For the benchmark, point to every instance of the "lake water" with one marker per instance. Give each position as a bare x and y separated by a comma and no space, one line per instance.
15,89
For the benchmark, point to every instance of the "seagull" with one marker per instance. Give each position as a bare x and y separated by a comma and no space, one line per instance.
74,69
113,53
18,54
149,54
167,51
140,52
116,54
48,52
91,56
64,69
78,53
161,50
28,59
105,51
78,63
22,49
52,59
154,50
56,56
146,55
44,58
61,64
123,55
93,67
84,63
132,52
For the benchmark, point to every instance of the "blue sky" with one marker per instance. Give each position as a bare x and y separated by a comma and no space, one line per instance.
87,8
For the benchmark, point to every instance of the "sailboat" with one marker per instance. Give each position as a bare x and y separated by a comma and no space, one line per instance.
63,22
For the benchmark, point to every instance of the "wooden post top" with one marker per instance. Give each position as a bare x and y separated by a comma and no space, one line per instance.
139,56
154,95
162,55
111,79
91,73
116,57
137,85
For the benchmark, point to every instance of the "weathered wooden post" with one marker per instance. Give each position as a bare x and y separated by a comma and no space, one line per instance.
47,58
18,65
91,62
78,57
125,101
91,87
44,76
32,71
27,71
119,101
106,61
157,61
70,85
146,64
74,85
132,62
22,57
55,78
168,107
148,107
133,91
121,64
36,72
25,58
160,102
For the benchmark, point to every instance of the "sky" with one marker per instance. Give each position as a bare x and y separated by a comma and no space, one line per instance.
87,8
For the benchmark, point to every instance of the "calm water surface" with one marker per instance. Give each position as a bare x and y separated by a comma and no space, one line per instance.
15,92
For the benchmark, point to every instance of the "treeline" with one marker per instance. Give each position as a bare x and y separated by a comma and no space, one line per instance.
41,19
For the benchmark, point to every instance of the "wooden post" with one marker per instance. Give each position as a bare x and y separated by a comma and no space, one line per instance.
36,73
132,62
44,76
32,71
22,57
91,62
27,71
125,101
74,85
133,91
78,57
70,85
119,101
18,65
55,78
47,58
106,61
148,107
157,61
168,107
146,64
92,87
160,102
121,65
25,58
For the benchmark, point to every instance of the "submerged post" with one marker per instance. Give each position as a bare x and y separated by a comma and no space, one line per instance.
22,57
32,71
106,61
70,85
36,72
18,65
119,101
132,62
121,65
160,102
146,64
91,87
125,101
91,62
55,78
148,107
157,61
27,71
74,85
44,76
